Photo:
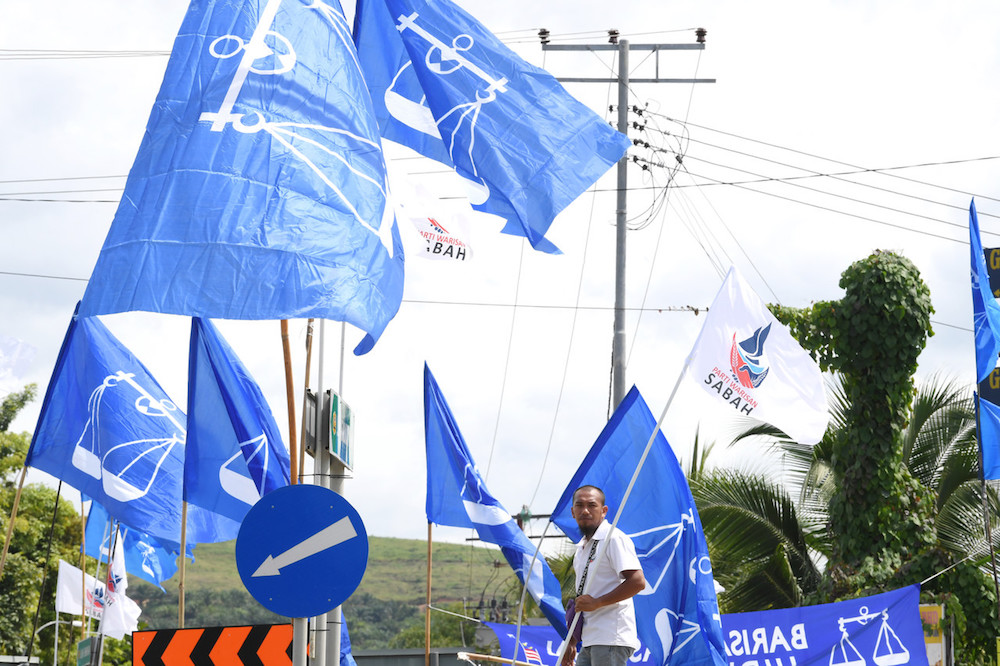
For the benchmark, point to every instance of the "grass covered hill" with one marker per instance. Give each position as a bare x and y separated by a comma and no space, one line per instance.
388,600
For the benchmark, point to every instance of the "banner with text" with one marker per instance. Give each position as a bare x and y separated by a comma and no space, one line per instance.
884,629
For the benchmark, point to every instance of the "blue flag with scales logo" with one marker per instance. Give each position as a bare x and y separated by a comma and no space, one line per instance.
677,615
235,453
445,86
259,189
108,429
458,497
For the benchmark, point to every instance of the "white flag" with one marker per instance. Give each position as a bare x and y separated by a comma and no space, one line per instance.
69,588
747,360
122,616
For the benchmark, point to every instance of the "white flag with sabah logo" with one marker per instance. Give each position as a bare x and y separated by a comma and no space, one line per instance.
747,360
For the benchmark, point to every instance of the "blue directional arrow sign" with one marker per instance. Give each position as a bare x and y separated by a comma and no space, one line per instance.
302,551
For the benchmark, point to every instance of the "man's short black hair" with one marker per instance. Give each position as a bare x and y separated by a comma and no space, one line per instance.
589,487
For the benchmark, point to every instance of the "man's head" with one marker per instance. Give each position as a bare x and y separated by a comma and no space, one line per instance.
589,509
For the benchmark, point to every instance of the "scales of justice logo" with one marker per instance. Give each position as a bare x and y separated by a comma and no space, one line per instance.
888,651
746,358
128,470
329,152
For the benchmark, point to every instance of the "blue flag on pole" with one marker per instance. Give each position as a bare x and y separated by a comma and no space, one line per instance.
234,449
259,189
457,496
145,556
985,309
108,429
678,613
452,91
989,437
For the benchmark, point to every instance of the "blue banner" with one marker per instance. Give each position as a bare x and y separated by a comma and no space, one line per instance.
440,80
881,630
458,497
677,614
108,429
985,309
235,453
259,189
145,557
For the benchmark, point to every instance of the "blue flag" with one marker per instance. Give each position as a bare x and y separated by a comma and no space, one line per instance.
457,496
985,309
234,449
108,429
259,189
145,556
678,613
989,437
882,630
452,91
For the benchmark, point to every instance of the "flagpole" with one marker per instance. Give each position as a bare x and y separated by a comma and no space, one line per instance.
181,567
986,512
427,613
293,453
628,491
13,515
302,440
524,592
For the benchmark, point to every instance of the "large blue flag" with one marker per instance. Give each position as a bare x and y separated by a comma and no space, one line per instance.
259,189
883,629
457,496
452,91
985,309
678,612
145,556
989,437
108,429
234,449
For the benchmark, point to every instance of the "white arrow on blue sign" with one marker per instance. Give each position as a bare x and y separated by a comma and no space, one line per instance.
302,550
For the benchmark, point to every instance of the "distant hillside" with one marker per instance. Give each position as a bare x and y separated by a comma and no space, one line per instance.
393,588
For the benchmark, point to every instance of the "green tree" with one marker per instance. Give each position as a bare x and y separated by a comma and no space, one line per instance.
888,498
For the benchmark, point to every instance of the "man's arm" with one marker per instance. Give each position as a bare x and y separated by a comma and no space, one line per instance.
634,583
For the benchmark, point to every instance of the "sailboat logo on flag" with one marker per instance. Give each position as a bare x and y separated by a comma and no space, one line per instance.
121,477
746,358
269,53
444,60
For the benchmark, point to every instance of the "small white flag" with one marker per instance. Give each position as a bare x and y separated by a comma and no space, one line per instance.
746,359
69,587
122,616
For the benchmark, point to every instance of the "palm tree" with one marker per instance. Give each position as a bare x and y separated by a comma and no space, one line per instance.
770,539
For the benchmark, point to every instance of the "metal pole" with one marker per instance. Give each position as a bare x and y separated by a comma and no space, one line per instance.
337,473
618,345
322,462
300,642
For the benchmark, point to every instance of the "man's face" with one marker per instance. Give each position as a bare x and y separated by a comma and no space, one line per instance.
588,510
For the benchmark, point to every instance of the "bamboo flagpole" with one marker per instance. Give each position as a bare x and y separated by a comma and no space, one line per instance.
305,384
293,452
13,516
427,613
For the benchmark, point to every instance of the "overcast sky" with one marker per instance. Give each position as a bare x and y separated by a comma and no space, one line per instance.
803,91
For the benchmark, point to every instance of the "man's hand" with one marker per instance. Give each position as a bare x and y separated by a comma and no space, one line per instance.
569,656
585,602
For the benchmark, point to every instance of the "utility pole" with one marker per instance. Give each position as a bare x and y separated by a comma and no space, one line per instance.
623,47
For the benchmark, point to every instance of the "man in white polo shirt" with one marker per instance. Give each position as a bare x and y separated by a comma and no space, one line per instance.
611,575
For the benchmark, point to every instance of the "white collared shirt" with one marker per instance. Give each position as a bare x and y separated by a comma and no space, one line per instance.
614,624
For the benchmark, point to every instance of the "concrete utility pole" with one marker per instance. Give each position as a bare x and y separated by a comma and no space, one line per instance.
623,47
